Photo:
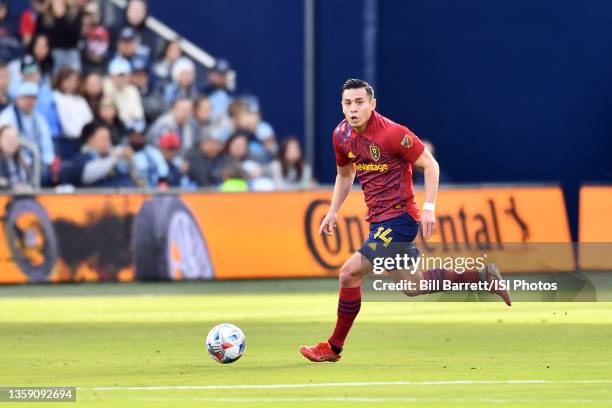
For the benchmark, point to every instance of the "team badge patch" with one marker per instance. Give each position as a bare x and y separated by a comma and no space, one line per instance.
407,141
375,152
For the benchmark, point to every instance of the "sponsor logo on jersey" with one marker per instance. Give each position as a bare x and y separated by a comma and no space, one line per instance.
375,152
407,141
371,167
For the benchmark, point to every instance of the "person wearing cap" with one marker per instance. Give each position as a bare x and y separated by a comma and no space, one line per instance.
124,95
94,55
151,94
24,69
183,81
32,125
135,17
170,146
129,47
177,120
149,167
217,89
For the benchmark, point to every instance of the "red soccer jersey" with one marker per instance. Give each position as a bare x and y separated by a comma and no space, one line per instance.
382,157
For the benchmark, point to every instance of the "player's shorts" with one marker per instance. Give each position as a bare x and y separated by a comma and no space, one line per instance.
392,237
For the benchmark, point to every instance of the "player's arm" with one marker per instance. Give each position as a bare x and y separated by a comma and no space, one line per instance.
431,169
342,187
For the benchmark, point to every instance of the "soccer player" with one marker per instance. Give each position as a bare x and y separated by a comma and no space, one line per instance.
381,153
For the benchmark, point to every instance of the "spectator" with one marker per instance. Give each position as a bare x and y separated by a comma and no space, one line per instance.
94,55
98,164
9,42
234,178
27,21
162,69
91,17
72,110
183,83
61,20
15,166
5,77
124,95
135,18
106,114
91,90
290,171
129,48
202,126
218,89
149,166
177,120
151,96
237,150
40,49
31,125
205,162
262,146
22,70
170,146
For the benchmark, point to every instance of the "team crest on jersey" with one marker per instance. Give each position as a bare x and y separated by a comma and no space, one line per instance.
407,141
375,152
351,155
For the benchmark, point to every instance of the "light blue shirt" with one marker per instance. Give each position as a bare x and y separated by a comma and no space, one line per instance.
33,128
150,165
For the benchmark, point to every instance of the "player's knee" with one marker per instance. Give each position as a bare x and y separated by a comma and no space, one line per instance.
349,276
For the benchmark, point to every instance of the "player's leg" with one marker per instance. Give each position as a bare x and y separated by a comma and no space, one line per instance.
431,281
349,304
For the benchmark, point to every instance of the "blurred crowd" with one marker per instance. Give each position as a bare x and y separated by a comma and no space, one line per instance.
89,103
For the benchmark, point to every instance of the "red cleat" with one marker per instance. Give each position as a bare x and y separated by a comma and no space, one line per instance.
319,353
492,274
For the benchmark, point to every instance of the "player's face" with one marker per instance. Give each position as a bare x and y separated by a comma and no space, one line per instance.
357,107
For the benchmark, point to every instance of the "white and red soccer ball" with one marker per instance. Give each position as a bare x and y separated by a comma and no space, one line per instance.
225,343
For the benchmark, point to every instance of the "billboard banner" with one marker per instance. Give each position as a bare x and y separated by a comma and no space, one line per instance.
126,237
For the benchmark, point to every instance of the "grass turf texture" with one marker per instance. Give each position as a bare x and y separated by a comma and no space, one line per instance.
108,335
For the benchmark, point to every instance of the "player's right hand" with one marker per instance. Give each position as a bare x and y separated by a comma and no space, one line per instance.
328,225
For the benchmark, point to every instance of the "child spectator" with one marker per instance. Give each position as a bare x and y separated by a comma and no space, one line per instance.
124,95
106,114
15,166
98,164
149,167
289,171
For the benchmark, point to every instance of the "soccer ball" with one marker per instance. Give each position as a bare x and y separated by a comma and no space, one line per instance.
225,343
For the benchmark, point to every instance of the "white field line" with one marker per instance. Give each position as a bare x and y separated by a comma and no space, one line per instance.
337,384
362,400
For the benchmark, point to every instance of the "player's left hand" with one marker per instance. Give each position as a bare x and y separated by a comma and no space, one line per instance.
428,223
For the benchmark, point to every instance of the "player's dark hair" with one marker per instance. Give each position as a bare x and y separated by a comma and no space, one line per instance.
358,84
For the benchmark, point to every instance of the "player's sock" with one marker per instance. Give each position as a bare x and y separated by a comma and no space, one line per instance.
349,305
439,275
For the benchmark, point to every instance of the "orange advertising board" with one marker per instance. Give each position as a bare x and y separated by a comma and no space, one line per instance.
112,237
595,228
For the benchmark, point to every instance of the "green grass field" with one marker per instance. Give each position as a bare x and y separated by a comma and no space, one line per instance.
107,339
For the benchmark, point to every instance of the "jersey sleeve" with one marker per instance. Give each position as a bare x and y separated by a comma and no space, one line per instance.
405,144
341,158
